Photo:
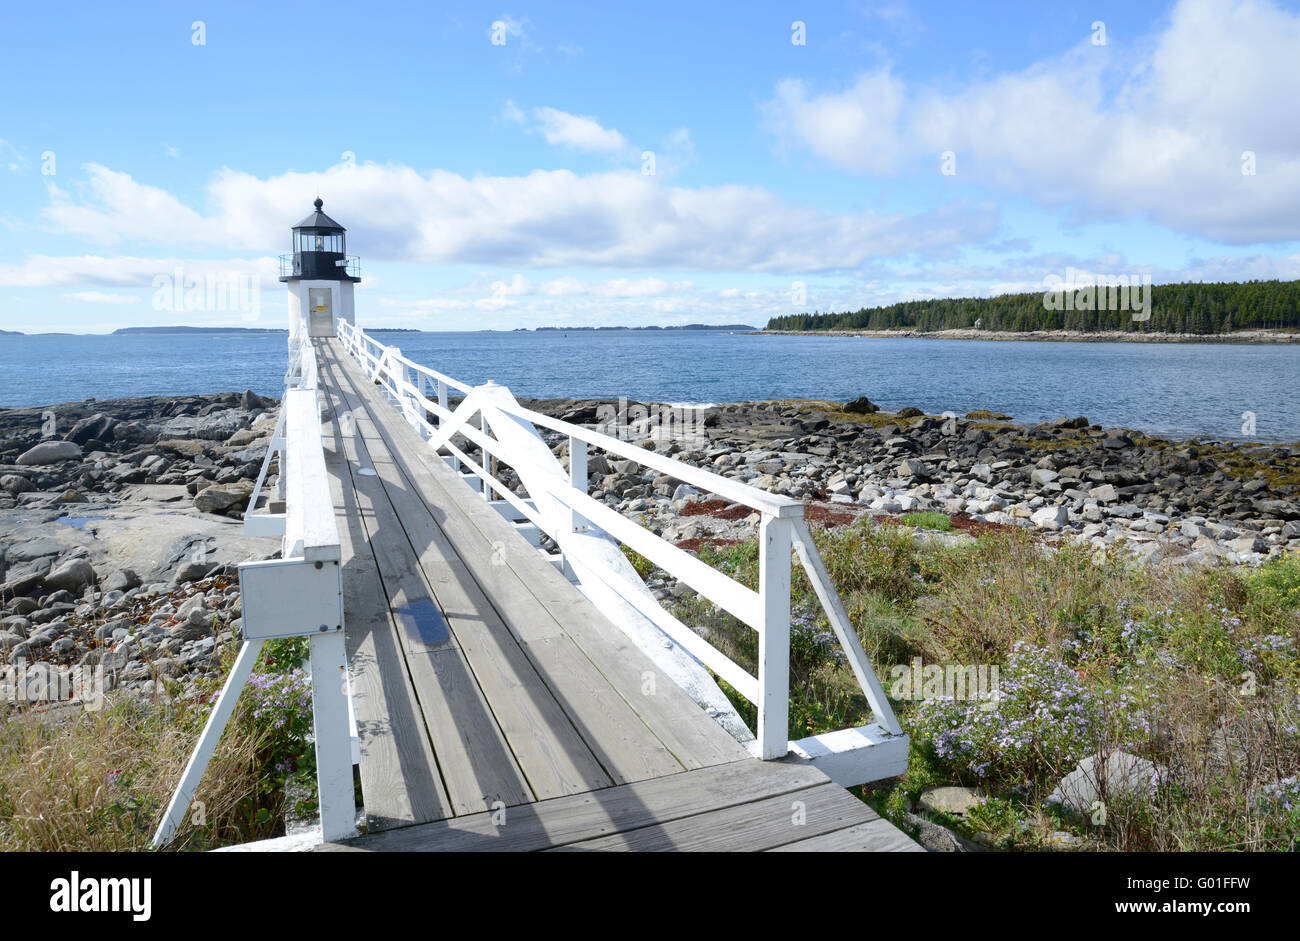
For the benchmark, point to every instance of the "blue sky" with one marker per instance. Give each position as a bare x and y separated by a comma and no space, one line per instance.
504,184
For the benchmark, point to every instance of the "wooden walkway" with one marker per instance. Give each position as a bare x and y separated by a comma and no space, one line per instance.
497,708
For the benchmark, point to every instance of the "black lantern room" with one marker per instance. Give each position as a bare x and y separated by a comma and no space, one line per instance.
319,251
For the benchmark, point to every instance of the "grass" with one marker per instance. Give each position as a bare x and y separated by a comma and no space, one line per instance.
1197,670
99,781
929,520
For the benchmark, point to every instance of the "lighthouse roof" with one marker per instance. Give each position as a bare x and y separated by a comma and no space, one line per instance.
318,220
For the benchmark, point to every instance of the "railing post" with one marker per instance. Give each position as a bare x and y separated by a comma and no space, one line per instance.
486,460
774,638
577,479
329,706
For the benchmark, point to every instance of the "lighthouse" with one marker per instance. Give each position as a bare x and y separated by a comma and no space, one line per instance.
320,275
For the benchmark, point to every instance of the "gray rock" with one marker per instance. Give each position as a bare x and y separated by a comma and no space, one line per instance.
50,452
16,484
954,801
1050,517
861,406
914,467
1043,476
75,576
16,624
1246,544
684,491
193,571
220,498
1122,774
98,427
121,580
1106,493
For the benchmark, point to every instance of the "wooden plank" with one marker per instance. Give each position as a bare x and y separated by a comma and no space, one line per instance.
551,754
607,722
695,739
580,817
399,776
757,825
874,836
478,768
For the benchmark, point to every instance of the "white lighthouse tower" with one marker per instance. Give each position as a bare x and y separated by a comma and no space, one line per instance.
320,275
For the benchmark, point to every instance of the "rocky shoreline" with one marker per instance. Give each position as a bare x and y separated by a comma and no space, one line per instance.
120,535
1072,336
120,521
1193,501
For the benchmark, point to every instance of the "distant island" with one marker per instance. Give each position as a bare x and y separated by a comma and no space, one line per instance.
11,333
1173,310
124,331
689,326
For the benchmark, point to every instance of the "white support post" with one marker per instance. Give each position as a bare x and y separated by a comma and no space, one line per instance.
774,638
442,401
216,724
329,706
577,479
486,461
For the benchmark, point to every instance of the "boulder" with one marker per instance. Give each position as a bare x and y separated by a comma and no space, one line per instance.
1064,422
50,452
954,801
1042,476
73,575
1106,493
98,427
914,467
16,484
1050,517
122,580
222,497
861,406
1122,774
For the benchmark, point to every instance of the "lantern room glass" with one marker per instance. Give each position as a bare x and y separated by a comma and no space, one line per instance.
320,242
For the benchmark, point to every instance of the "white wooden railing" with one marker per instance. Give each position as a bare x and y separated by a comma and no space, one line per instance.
559,505
299,594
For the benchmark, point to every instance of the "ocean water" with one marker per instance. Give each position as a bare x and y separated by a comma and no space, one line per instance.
1180,389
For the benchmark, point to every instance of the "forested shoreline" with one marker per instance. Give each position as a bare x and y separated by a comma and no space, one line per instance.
1187,308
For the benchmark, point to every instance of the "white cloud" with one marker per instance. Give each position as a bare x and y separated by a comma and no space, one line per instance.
99,297
546,219
120,208
53,271
579,132
1158,130
856,129
569,286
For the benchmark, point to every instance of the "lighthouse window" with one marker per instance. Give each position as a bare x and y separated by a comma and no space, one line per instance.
320,242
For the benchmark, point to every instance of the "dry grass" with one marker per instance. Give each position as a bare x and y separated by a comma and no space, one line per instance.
99,781
1199,670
